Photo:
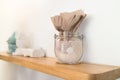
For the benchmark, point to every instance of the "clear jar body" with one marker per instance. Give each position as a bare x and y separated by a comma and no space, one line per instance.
69,48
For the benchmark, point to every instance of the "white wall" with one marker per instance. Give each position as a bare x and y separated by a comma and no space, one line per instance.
101,29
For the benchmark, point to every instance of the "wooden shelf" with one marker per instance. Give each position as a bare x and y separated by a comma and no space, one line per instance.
83,71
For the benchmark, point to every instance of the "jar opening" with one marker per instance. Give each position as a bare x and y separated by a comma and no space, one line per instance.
69,35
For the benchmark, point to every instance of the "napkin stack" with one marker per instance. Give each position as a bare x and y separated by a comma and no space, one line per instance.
68,21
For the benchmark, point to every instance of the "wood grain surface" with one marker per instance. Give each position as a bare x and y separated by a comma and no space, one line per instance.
83,71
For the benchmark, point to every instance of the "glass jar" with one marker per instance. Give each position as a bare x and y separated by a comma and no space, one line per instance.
68,48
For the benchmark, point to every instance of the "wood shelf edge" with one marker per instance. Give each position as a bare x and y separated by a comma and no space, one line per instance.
68,72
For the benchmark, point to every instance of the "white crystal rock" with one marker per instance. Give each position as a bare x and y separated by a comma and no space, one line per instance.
23,40
30,52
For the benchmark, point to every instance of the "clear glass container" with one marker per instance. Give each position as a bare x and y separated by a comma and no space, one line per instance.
68,48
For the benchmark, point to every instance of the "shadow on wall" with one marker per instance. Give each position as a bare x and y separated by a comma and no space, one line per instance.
7,71
28,74
83,30
14,72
